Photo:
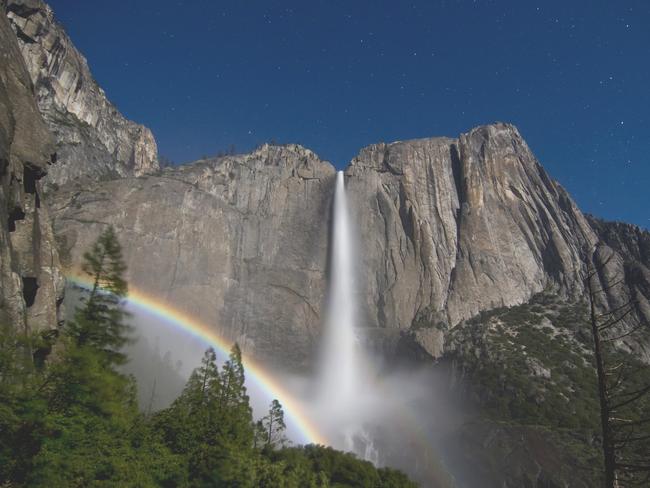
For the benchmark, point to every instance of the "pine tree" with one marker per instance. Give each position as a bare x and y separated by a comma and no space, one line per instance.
204,384
232,379
234,434
191,420
86,374
100,322
92,407
623,382
233,402
211,424
274,426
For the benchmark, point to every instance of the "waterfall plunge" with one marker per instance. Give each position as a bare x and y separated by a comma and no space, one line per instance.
339,368
342,381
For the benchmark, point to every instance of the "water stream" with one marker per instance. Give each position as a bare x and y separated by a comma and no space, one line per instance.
339,360
342,382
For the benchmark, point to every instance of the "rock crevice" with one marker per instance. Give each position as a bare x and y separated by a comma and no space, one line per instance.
31,282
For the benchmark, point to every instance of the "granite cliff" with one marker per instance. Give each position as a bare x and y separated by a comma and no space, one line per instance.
240,241
31,282
453,227
458,240
447,228
92,137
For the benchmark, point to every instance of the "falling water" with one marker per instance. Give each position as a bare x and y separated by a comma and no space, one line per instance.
339,369
342,379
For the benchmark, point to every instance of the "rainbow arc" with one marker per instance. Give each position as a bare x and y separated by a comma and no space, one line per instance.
255,372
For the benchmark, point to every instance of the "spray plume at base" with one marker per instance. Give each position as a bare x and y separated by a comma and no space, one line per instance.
360,403
342,403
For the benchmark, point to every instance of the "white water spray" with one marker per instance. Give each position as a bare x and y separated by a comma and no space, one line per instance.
342,383
339,368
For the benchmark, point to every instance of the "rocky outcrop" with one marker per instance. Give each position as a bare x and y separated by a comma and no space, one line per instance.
31,283
622,258
447,227
92,137
628,240
240,242
453,227
450,227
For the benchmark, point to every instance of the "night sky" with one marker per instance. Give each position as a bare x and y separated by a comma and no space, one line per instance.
334,76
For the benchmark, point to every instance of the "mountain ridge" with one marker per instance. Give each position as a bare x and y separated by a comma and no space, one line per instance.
425,208
462,243
92,137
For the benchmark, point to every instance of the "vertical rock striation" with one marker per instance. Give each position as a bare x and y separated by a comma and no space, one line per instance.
92,137
623,254
451,227
31,283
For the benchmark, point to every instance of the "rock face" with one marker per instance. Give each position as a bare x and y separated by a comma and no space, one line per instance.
92,137
31,283
623,255
239,242
450,227
447,228
626,239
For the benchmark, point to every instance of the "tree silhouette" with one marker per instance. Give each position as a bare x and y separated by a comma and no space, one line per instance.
100,321
270,430
623,383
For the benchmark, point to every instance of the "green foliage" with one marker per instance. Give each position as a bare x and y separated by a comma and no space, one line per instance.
74,420
340,469
85,377
21,409
211,426
527,364
100,322
533,365
211,423
269,431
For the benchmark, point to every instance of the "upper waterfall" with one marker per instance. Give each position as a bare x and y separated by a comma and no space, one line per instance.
339,366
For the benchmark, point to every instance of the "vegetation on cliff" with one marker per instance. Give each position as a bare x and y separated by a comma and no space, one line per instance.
529,371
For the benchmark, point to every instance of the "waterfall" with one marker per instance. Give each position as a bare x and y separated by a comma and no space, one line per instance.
341,384
339,350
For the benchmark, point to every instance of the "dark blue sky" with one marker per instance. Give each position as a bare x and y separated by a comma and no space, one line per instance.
334,76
